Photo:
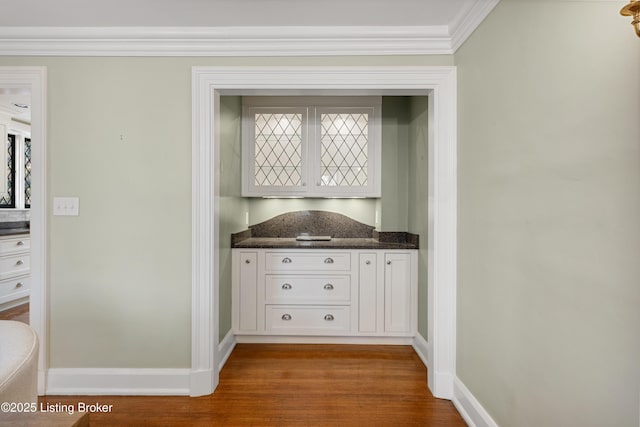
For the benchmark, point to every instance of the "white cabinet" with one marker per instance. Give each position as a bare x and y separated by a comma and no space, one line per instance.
15,267
311,146
397,292
368,295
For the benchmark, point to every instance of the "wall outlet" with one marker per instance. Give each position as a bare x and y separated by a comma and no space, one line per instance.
66,206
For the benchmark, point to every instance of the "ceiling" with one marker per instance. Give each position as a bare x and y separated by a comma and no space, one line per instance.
207,13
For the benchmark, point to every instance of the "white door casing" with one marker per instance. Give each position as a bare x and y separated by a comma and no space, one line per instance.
34,79
439,83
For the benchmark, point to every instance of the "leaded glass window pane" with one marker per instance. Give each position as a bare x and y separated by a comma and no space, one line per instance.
27,172
344,149
278,149
7,196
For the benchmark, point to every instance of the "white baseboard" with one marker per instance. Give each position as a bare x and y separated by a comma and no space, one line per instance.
225,348
421,347
14,303
469,407
295,339
202,382
107,381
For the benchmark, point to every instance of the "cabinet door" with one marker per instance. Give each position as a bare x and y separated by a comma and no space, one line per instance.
397,292
347,156
368,291
248,292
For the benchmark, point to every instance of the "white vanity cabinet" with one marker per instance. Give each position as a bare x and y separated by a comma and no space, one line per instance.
319,295
15,268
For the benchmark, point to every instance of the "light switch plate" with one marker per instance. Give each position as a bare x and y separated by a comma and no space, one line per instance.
66,206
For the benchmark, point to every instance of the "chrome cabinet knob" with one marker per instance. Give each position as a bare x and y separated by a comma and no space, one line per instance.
328,261
19,262
286,260
388,262
19,285
328,287
328,317
286,316
246,261
286,286
20,243
367,262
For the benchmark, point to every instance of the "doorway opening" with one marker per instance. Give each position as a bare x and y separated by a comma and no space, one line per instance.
437,83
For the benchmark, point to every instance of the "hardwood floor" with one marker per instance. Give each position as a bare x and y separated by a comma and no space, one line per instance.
19,313
295,385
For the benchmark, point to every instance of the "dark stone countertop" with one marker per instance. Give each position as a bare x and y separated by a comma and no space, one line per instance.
338,243
280,233
16,227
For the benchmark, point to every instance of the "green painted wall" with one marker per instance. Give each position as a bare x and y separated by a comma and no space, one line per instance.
418,196
549,202
395,164
120,273
232,205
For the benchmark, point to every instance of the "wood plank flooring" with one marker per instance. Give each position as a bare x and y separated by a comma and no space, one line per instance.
295,385
19,313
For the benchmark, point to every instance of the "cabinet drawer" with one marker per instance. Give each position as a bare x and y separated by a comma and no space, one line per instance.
307,261
14,288
14,265
307,320
293,289
15,245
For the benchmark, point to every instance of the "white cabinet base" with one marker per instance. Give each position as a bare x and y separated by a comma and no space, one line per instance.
325,296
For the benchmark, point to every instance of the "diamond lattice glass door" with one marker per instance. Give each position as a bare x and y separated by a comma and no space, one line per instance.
278,149
344,149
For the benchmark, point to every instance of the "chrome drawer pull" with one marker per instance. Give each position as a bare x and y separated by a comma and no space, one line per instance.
19,285
19,262
328,261
328,287
286,260
286,317
328,317
246,261
368,262
20,243
286,286
388,262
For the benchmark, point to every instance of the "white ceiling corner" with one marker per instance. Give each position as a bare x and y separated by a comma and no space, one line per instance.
189,28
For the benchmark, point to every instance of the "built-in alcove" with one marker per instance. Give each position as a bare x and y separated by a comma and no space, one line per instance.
402,206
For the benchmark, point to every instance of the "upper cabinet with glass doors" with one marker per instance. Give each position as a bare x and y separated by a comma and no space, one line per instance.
311,146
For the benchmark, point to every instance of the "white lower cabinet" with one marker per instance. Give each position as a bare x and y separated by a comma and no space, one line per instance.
324,293
15,269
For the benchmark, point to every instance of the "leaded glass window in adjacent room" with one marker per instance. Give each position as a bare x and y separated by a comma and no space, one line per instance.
7,187
27,172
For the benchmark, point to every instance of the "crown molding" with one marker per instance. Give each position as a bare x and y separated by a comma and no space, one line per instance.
224,41
469,19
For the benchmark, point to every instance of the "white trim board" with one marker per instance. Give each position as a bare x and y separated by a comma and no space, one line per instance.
35,80
114,381
422,349
245,40
438,83
225,348
471,410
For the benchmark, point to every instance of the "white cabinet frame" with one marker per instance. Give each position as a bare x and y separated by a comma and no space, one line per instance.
311,109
